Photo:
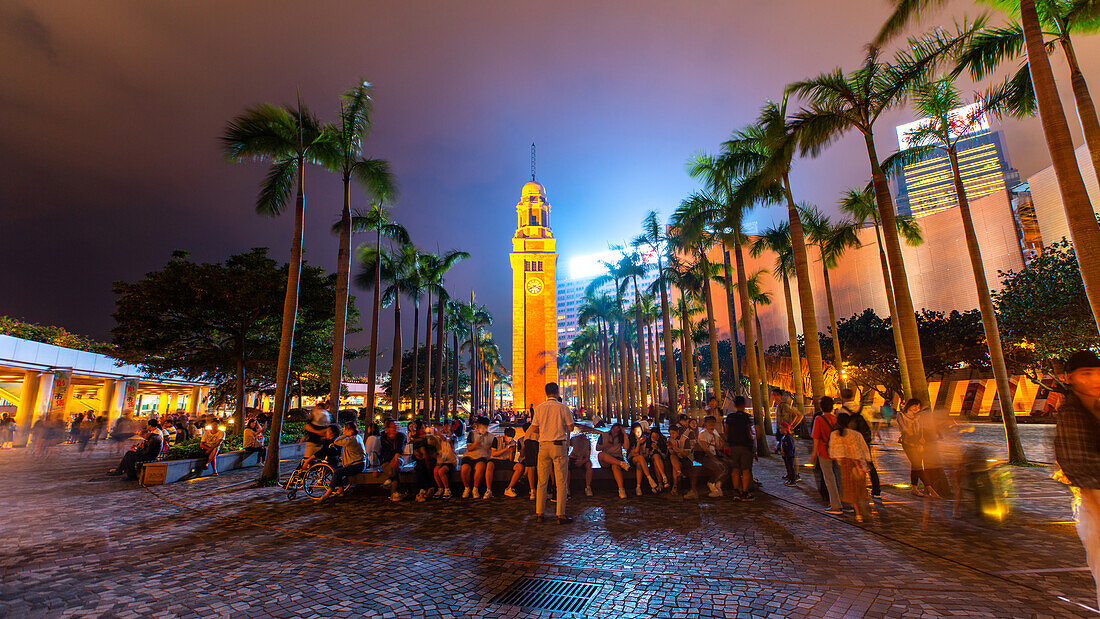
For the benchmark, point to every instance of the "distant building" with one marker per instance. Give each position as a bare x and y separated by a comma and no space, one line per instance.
927,187
581,271
1046,199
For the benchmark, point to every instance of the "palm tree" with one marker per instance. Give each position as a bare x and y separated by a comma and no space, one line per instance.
397,272
691,235
377,218
435,268
601,310
286,137
777,239
476,318
654,237
832,241
840,102
860,205
459,330
759,297
617,275
759,158
633,267
935,101
341,151
1079,214
686,280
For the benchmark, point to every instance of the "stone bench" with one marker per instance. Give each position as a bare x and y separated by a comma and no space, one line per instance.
168,471
601,478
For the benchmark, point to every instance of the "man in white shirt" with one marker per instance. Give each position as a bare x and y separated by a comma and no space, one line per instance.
552,424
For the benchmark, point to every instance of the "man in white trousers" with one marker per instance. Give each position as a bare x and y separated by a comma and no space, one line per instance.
551,424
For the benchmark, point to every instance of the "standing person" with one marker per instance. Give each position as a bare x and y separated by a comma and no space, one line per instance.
529,458
846,446
787,450
912,443
391,446
784,411
253,442
7,432
1077,450
316,429
709,449
613,446
479,443
580,457
551,423
855,411
824,425
353,457
741,438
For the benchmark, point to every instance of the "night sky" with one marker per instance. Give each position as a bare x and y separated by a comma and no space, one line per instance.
110,113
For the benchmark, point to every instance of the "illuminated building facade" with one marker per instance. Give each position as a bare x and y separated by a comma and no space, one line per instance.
927,186
534,262
582,270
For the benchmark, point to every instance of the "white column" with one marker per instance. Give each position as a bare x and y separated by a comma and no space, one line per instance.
28,402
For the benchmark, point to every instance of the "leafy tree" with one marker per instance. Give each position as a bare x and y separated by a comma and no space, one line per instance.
1044,313
221,322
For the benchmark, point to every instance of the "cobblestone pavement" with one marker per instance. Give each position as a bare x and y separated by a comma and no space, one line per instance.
79,544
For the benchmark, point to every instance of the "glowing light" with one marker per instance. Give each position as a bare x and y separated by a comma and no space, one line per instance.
209,427
902,486
221,428
957,119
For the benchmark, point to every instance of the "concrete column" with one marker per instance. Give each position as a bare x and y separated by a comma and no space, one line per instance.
165,403
193,401
28,402
200,401
106,395
113,405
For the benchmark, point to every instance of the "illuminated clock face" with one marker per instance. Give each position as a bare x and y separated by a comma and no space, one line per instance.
534,286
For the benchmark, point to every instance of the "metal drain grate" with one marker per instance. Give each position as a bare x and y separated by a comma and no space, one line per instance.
546,594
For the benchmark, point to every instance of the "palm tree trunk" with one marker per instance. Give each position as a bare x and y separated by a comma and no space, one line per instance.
395,373
343,279
712,331
643,402
625,401
437,392
895,328
1086,110
796,357
763,370
733,320
372,367
428,358
654,365
687,355
670,363
906,317
838,361
415,355
989,320
270,471
456,360
1079,214
750,341
805,296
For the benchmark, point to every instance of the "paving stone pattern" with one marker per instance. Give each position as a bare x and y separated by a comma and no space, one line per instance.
80,544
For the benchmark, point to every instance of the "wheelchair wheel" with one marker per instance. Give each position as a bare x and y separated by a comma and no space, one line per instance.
317,480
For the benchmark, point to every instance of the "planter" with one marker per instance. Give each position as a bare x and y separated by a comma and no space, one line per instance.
169,471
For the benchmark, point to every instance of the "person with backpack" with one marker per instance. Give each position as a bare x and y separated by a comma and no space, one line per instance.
740,437
855,411
824,426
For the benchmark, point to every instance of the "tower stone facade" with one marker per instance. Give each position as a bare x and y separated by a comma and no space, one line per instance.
534,261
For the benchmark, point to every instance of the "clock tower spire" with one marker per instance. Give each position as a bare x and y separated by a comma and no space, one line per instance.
534,261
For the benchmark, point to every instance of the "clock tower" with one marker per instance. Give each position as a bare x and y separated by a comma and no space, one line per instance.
534,262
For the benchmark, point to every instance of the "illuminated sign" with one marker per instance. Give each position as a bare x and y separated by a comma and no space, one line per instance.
962,121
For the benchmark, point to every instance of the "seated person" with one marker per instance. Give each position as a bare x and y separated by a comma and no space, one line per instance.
145,451
445,463
373,445
391,446
709,452
680,448
613,446
425,450
316,429
478,445
352,457
211,444
641,456
503,454
253,441
580,457
658,454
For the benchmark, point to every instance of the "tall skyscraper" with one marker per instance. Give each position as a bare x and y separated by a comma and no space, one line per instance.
927,186
534,262
581,271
